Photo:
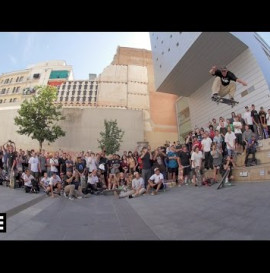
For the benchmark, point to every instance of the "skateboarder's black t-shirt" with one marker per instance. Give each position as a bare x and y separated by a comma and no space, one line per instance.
255,115
225,80
185,157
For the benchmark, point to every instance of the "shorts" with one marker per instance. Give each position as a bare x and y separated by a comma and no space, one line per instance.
172,170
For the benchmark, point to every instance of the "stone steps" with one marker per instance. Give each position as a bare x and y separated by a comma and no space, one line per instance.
253,173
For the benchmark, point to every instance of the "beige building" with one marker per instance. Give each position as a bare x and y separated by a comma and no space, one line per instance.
16,86
129,83
78,93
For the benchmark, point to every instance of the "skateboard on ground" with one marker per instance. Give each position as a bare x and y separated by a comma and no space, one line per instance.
219,99
223,179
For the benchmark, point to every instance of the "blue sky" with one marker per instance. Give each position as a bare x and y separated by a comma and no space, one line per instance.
87,52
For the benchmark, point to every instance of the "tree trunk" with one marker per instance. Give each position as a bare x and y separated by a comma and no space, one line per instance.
40,146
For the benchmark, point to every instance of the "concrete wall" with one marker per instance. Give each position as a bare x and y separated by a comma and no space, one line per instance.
82,126
202,109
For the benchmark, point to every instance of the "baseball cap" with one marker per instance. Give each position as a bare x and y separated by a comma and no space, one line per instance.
224,67
156,169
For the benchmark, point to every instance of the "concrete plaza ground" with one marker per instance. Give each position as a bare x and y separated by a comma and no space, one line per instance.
240,212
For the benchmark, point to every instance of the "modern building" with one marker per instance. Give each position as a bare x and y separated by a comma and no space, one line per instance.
182,61
15,86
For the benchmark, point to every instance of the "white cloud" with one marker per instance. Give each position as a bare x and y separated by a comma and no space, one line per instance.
12,59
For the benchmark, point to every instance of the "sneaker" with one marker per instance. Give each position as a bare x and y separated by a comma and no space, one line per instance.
130,196
65,195
79,197
71,198
154,193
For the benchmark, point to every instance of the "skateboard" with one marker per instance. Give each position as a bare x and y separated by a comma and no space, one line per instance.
219,99
222,181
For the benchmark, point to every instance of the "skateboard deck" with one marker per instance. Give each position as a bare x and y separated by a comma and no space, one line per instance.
219,99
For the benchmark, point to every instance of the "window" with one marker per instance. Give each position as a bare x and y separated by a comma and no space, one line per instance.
79,93
162,53
11,80
177,44
10,100
36,76
21,79
73,93
162,41
247,91
15,99
0,101
78,98
160,66
61,98
169,49
14,89
17,90
7,90
17,79
171,36
72,98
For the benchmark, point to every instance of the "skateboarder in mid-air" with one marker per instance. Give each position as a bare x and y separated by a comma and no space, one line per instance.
224,82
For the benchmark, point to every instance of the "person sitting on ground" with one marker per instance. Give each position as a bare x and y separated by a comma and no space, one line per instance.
44,183
138,185
27,178
251,149
92,182
55,184
223,83
69,187
156,182
127,189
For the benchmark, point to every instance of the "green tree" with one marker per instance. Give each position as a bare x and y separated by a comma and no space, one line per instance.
38,116
111,137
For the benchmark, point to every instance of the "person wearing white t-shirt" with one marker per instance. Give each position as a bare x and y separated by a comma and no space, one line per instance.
196,163
34,165
155,182
44,182
206,147
137,185
27,179
238,133
55,183
248,119
230,141
54,164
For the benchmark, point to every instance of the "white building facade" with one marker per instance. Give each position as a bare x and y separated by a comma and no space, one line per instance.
182,61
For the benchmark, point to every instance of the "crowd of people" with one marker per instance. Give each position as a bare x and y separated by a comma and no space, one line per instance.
134,173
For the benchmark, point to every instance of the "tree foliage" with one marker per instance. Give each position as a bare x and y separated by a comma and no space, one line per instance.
38,117
111,137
